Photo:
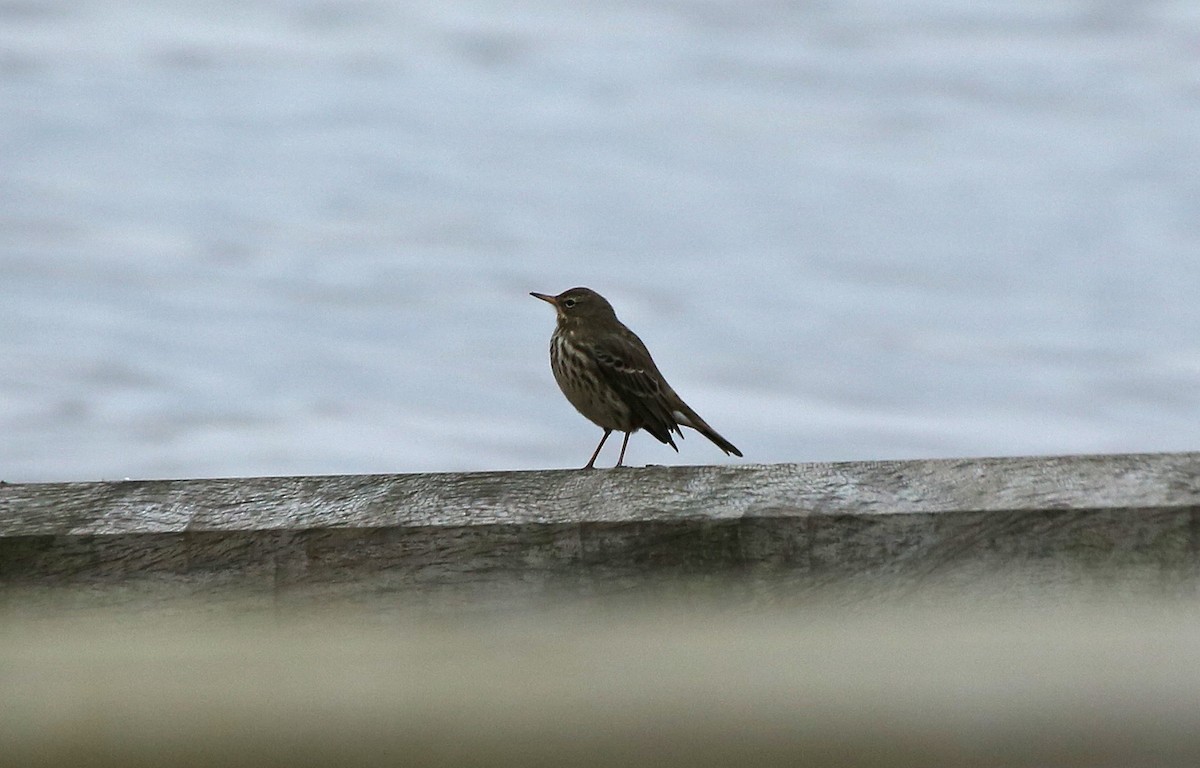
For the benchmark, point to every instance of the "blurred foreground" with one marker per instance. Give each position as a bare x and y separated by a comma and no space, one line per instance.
953,682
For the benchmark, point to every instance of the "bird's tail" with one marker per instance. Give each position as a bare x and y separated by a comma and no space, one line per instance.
689,418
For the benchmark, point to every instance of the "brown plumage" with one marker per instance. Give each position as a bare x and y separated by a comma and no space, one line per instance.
607,373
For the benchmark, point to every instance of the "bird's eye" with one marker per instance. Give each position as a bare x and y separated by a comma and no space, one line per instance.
568,303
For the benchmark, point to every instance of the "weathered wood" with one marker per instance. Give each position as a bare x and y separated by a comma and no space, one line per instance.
870,529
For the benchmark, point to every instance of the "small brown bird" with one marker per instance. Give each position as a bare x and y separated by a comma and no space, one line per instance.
607,373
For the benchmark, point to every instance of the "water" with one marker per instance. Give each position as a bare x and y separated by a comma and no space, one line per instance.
297,237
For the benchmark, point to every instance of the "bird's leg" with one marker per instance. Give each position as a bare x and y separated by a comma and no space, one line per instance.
592,461
624,443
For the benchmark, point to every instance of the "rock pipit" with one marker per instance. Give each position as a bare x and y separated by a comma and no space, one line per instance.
607,373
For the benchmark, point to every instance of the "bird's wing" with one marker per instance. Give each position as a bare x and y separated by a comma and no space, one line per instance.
626,365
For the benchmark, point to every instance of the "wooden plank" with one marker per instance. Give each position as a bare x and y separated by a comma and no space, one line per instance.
1129,481
870,529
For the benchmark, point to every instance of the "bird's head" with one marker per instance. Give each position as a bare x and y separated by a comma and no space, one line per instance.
578,303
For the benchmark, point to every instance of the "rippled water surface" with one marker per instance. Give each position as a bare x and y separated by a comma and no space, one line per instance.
298,237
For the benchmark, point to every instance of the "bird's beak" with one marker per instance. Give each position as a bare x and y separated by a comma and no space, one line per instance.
545,298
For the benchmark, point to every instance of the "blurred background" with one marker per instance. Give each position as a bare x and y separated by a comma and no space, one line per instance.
298,236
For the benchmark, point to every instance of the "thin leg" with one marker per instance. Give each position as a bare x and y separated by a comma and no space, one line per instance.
624,443
592,461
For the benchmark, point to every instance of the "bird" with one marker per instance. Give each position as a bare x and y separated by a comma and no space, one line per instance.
607,373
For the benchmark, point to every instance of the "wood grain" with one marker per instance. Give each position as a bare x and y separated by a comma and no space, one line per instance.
869,530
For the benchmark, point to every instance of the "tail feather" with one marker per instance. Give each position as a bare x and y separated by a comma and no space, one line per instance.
689,418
